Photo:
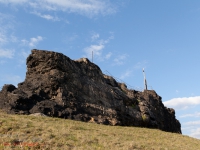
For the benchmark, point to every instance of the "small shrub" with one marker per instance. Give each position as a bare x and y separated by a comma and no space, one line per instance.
144,118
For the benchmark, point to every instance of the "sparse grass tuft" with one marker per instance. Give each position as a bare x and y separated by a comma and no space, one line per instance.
30,132
144,118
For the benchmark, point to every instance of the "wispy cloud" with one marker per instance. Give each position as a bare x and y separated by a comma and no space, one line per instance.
3,38
140,65
126,74
6,53
95,36
21,57
120,60
15,79
192,128
47,16
6,28
71,38
197,114
33,41
195,133
25,53
108,55
183,103
130,71
13,1
97,49
192,123
86,7
7,39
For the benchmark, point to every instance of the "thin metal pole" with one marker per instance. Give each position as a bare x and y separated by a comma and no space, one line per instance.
145,81
92,56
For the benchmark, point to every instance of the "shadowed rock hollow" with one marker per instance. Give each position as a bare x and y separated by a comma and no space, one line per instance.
57,86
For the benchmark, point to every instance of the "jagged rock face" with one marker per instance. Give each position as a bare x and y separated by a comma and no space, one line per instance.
57,86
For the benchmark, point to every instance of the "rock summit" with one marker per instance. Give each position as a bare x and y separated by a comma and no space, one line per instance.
57,86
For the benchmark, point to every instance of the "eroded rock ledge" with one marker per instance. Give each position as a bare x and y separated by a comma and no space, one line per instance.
57,86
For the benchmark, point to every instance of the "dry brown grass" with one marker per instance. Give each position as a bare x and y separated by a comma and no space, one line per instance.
30,132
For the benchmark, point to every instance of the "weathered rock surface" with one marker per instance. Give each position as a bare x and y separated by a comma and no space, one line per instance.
57,86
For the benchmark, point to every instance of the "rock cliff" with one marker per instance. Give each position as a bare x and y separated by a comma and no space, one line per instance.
57,86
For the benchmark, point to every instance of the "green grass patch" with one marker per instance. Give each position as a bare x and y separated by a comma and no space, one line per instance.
30,132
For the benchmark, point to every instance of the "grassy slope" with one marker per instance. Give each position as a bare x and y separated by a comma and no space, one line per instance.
29,132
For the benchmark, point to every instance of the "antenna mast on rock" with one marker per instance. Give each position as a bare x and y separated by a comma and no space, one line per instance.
92,56
145,81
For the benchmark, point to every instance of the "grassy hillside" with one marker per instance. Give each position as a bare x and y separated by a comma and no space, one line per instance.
30,132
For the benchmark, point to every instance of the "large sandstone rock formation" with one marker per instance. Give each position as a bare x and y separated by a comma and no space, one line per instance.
57,86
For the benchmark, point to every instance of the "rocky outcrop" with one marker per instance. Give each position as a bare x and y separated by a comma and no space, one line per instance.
57,86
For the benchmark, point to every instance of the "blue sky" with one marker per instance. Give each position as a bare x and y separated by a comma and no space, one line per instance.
125,35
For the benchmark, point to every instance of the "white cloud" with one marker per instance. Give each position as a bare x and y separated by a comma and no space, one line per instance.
120,60
25,54
46,16
192,123
13,1
87,7
7,53
95,36
6,27
197,114
22,55
24,42
10,79
192,128
126,74
196,133
7,39
33,41
140,65
97,49
182,103
3,38
108,55
83,7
